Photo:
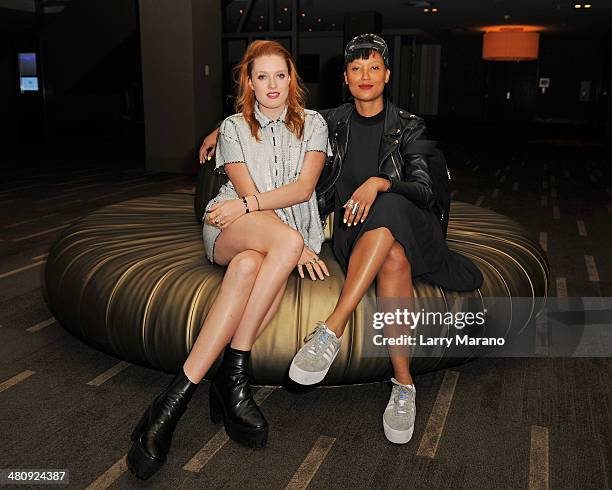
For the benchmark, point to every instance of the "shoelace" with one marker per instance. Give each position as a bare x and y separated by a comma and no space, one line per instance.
322,338
402,396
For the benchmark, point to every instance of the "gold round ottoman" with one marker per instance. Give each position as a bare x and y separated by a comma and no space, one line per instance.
131,279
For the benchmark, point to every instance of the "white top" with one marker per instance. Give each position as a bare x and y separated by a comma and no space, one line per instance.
274,161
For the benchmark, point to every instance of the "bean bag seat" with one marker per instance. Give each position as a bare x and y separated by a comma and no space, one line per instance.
131,279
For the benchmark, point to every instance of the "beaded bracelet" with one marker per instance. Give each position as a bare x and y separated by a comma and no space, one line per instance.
246,205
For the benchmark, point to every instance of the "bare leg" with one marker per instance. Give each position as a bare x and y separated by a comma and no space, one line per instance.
394,280
273,309
281,247
369,254
225,313
271,279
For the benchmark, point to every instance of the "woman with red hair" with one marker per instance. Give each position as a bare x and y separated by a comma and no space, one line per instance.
262,224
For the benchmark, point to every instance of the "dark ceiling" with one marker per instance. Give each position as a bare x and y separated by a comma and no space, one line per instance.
453,16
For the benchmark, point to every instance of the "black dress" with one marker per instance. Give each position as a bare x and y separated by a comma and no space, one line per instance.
415,228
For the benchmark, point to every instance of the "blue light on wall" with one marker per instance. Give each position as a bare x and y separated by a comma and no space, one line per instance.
28,78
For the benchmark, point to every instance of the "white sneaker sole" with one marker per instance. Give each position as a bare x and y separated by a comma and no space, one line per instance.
397,436
309,377
306,377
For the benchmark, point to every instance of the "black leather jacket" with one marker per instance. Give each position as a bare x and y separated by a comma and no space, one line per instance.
398,160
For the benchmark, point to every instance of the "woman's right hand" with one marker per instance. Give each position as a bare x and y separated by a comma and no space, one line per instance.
207,150
224,213
313,264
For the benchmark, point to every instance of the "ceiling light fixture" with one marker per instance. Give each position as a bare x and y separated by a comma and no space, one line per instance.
434,10
511,42
577,6
425,10
587,5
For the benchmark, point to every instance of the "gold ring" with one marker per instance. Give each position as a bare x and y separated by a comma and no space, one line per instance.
216,221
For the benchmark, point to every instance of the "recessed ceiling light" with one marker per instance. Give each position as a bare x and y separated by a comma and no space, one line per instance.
261,17
425,10
587,5
286,9
310,29
333,25
280,21
577,6
303,14
241,11
434,10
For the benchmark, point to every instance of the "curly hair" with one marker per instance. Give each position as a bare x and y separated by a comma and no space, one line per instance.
245,99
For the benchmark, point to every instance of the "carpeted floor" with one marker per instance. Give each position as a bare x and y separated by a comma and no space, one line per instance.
491,423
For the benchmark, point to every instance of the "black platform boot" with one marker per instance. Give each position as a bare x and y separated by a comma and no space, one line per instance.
152,436
232,402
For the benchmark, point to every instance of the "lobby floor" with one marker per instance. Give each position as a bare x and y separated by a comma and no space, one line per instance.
490,423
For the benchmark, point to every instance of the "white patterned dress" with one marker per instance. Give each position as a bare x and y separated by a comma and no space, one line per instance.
274,161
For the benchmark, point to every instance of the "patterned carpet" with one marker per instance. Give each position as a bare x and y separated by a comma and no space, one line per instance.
491,423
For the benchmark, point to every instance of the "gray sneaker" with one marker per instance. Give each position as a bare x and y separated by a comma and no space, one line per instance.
398,419
313,360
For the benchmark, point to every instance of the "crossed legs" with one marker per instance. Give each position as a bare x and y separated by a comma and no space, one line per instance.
376,256
260,252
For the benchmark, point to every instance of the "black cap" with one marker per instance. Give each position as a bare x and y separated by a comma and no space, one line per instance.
368,41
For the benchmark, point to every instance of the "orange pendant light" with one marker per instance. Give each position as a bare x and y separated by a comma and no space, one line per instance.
511,43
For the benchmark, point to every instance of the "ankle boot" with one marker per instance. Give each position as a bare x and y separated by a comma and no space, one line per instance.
232,402
152,436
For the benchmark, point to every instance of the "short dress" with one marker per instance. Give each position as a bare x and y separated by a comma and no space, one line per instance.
417,229
272,162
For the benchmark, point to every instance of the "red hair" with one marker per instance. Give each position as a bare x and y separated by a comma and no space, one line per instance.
245,100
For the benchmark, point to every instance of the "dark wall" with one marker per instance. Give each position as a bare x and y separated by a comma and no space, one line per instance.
89,57
19,113
462,80
474,89
567,62
93,63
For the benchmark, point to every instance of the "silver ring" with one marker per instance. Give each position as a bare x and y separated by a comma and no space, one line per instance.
350,204
355,207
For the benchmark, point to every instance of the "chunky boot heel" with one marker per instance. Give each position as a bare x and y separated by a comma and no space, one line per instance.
216,408
231,399
152,436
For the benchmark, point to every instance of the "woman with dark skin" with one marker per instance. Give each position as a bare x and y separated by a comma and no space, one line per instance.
384,231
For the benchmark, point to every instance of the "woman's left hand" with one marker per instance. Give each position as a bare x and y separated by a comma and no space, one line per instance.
358,206
223,214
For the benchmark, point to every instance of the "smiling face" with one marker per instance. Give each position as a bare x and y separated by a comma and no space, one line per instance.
366,79
270,81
